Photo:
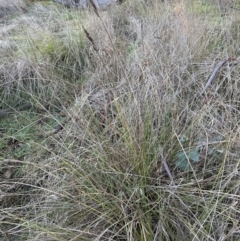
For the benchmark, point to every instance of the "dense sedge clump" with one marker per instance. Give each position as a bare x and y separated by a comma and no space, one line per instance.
123,139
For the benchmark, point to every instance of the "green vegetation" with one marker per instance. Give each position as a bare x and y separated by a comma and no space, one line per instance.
118,144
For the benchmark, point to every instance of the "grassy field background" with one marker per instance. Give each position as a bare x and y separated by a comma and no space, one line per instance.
117,143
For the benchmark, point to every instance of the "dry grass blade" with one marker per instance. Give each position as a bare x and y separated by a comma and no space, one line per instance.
90,39
214,73
167,168
94,7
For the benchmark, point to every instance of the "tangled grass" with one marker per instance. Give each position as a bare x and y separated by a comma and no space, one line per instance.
136,157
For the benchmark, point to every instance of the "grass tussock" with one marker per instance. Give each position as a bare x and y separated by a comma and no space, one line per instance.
131,152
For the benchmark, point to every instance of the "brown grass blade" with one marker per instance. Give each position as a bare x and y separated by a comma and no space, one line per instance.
90,39
94,8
